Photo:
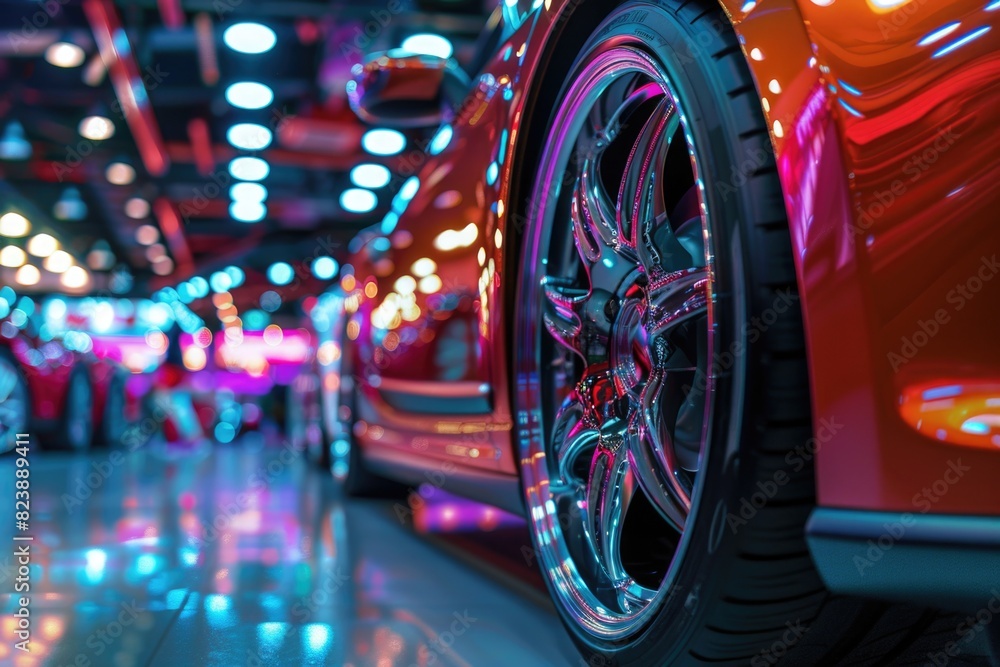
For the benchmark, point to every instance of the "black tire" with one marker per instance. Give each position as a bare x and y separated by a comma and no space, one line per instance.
749,594
76,427
346,462
113,421
15,401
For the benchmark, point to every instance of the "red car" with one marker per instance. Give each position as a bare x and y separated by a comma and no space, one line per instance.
69,397
708,292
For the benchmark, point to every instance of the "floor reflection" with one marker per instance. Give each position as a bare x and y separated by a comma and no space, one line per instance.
244,555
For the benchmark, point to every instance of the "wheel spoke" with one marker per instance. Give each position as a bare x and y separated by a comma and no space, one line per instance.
640,199
610,486
564,305
593,212
675,298
573,438
654,461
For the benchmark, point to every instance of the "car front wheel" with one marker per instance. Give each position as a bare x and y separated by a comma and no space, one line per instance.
660,371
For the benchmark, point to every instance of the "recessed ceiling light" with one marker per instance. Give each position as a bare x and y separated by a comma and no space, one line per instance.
119,173
70,206
280,273
75,277
64,54
249,38
42,245
249,95
58,262
324,268
12,257
236,275
137,208
247,211
96,128
100,259
248,192
147,235
28,275
428,44
249,169
370,176
249,136
14,225
358,200
424,267
382,141
155,251
220,281
14,144
163,266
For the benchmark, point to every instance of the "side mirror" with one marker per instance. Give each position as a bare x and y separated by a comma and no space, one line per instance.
402,89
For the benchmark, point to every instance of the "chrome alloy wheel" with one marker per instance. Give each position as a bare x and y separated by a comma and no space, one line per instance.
616,333
13,404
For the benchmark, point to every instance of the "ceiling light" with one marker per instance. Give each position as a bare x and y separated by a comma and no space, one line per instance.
405,285
280,273
249,169
383,142
70,206
324,268
147,235
249,95
430,284
28,275
370,176
58,262
64,54
12,257
163,266
14,145
42,245
423,267
100,258
199,287
247,211
14,225
236,275
75,277
254,192
119,173
428,44
96,128
137,208
249,136
249,38
155,251
220,281
358,200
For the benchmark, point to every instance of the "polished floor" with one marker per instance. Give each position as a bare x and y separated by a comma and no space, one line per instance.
245,555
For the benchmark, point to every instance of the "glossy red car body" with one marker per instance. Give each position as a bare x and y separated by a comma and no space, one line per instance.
882,118
47,368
